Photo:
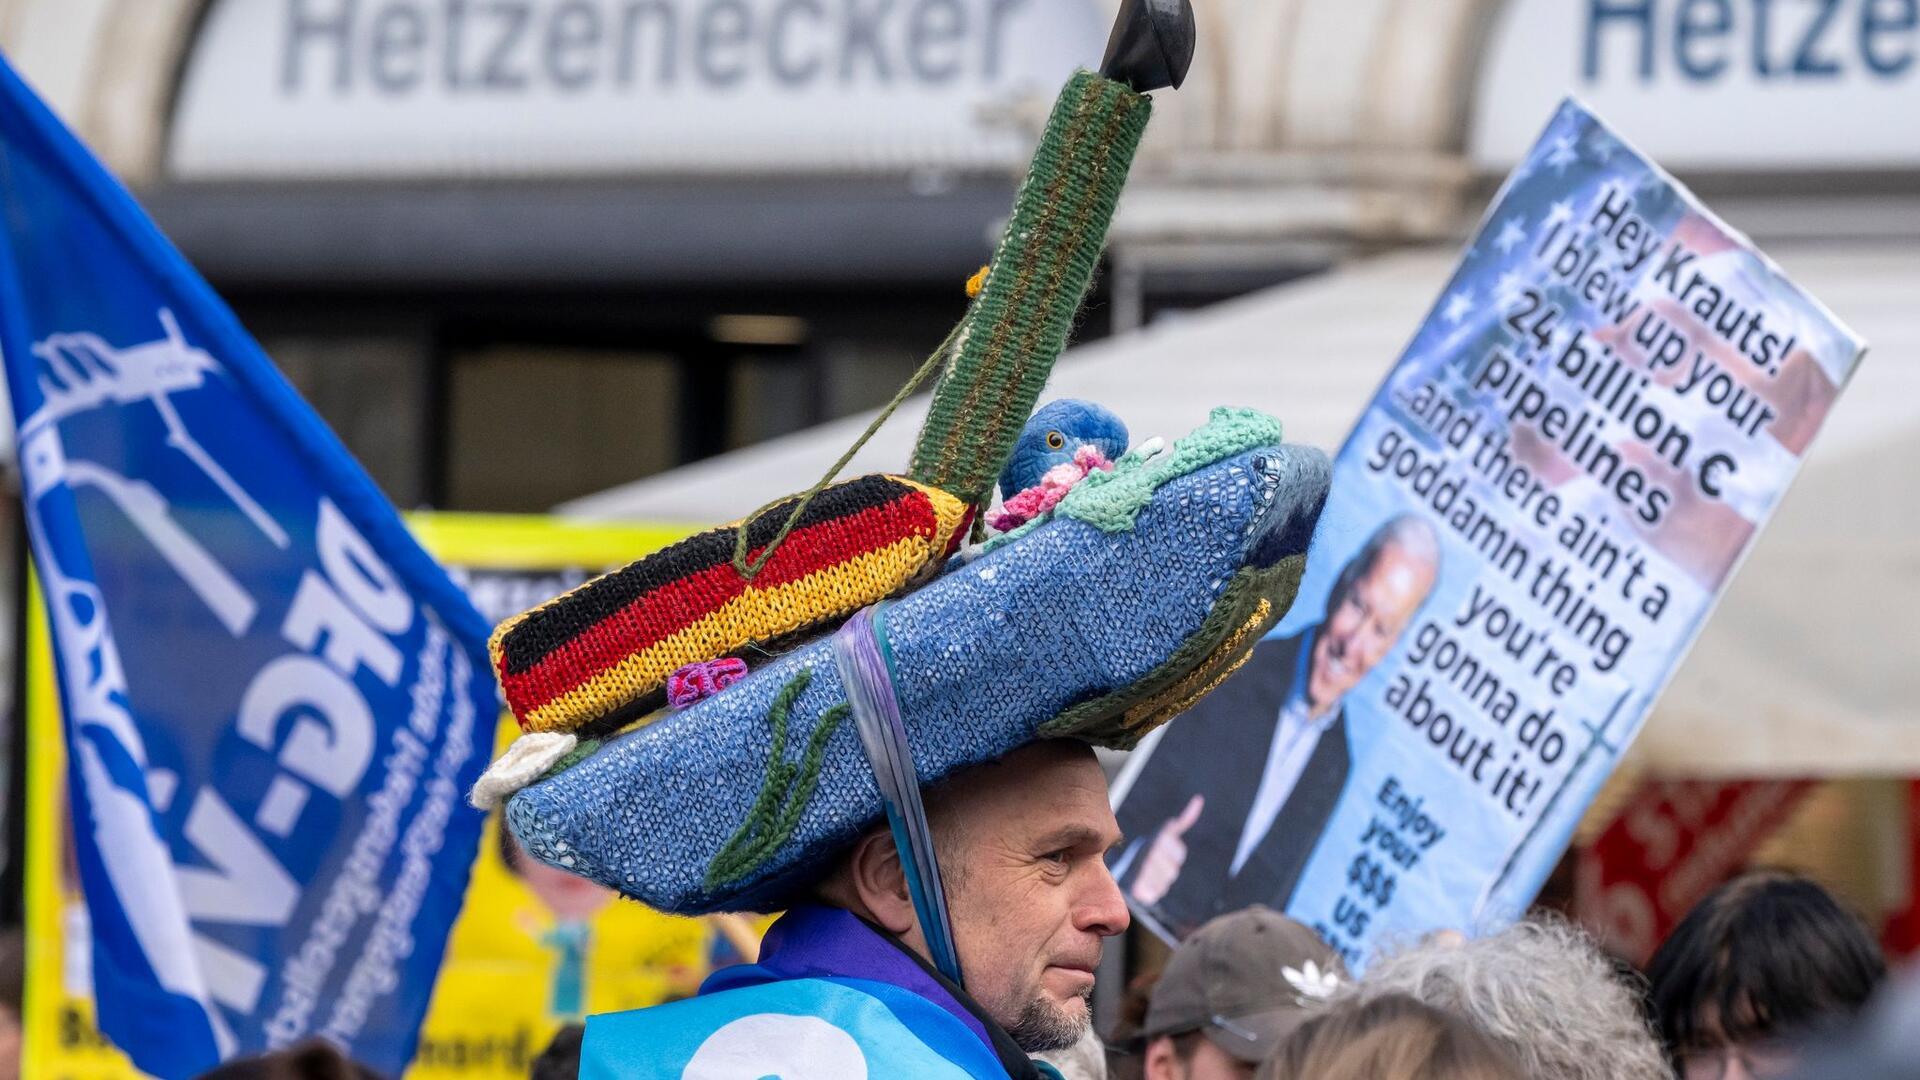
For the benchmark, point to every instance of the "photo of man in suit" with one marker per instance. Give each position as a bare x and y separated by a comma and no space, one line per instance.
1232,800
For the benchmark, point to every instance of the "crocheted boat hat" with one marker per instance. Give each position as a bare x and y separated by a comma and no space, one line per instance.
1117,606
602,655
1140,591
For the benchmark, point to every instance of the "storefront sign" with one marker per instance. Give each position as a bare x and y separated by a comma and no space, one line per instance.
1713,84
438,87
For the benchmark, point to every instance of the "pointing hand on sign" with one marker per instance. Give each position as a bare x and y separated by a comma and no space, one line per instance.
1166,855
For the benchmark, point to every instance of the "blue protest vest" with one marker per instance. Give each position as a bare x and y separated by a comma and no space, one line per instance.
831,997
797,1029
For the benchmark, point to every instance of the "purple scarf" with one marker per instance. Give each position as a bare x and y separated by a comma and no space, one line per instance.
813,941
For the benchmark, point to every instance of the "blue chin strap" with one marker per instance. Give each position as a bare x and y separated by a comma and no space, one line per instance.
865,664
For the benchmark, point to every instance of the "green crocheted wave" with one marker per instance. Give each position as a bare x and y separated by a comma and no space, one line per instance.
784,791
1046,259
1110,501
581,751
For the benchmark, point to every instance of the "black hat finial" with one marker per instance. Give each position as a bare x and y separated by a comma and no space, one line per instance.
1152,44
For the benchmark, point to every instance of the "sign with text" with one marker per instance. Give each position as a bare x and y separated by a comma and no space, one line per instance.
274,701
1713,84
401,88
1526,529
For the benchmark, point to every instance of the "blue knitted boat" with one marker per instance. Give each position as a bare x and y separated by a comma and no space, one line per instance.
1144,588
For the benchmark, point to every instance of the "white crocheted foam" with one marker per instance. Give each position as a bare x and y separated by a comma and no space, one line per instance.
530,756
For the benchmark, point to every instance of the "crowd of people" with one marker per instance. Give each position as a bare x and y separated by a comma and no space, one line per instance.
1769,977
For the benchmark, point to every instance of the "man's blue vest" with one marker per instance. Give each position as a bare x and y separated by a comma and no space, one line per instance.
830,999
796,1029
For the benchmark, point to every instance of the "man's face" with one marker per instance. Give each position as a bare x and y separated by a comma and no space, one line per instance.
1363,625
1022,854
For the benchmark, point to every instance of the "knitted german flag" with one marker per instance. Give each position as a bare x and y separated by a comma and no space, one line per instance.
600,654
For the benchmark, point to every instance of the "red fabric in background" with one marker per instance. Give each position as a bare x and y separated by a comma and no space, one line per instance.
1901,936
1674,841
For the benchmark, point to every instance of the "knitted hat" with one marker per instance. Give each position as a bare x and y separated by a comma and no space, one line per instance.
1142,590
1119,605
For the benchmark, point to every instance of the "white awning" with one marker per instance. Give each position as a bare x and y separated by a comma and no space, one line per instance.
1810,665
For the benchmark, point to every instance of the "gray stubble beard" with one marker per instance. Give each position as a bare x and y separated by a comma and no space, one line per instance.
1042,1026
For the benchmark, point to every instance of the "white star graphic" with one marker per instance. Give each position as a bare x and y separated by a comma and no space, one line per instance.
1507,289
1562,154
1458,305
1560,213
1512,232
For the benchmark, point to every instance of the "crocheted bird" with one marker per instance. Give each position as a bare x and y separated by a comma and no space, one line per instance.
1064,442
1057,431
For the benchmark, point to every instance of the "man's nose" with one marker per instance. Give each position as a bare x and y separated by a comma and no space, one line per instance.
1338,638
1378,643
1102,909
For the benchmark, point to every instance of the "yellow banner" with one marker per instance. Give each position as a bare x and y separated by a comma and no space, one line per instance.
533,948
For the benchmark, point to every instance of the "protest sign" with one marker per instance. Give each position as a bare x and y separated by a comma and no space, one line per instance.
1525,531
529,952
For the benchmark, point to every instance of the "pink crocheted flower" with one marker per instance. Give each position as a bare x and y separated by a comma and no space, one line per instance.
1053,486
702,679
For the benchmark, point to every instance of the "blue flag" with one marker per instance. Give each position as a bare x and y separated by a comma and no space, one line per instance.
275,701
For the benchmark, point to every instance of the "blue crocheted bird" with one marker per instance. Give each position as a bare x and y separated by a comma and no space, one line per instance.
1056,430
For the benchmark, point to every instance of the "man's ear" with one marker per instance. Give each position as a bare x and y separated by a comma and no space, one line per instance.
880,883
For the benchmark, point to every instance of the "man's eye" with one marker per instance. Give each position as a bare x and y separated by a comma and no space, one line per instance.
1060,857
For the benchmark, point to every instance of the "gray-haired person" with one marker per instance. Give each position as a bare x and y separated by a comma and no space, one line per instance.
1541,988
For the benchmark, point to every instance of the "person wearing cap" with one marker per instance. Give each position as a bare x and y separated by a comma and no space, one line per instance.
846,978
1232,992
1021,843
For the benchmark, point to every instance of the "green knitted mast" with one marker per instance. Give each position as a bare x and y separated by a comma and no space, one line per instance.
1018,325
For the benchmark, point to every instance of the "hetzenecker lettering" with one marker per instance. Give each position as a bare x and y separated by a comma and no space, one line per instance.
399,48
1767,41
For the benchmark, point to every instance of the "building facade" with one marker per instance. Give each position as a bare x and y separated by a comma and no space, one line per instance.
518,251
